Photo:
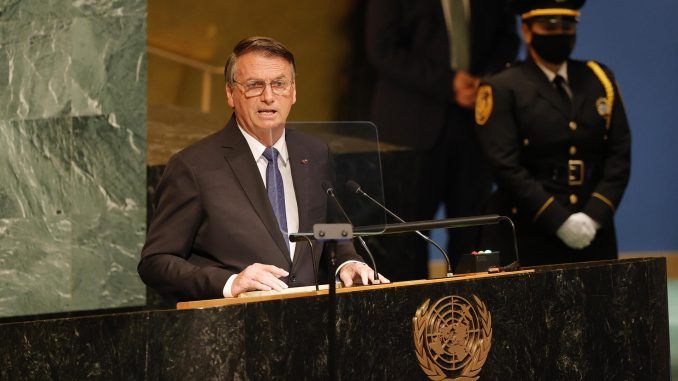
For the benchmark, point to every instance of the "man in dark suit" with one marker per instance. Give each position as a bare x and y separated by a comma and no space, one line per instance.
226,204
556,133
429,55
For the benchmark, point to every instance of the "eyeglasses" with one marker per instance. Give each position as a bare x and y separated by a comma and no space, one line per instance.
256,88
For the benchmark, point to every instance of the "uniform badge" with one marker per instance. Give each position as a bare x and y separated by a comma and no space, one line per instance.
452,338
484,104
603,107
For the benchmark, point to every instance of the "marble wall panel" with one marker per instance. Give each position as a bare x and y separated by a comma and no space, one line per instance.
35,266
23,10
355,319
35,168
109,65
95,348
277,329
29,10
81,66
72,163
193,345
107,164
72,214
35,230
109,217
108,7
36,67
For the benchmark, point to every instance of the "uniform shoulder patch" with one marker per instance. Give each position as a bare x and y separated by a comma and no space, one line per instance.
604,104
603,107
484,104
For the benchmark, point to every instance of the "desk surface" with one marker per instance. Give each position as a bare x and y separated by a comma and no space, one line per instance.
301,292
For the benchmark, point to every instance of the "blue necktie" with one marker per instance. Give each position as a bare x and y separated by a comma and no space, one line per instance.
275,189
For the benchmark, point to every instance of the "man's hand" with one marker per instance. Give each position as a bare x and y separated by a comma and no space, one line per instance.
357,271
465,87
259,277
577,231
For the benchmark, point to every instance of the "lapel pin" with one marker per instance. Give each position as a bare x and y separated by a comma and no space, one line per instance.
304,161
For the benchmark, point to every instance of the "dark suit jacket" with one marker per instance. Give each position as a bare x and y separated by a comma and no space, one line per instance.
213,217
407,44
532,135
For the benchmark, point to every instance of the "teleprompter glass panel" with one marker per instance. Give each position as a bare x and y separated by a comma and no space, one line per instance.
353,167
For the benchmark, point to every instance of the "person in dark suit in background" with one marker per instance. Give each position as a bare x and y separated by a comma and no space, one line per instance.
556,134
429,56
226,204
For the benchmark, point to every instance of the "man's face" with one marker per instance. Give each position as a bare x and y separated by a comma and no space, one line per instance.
264,115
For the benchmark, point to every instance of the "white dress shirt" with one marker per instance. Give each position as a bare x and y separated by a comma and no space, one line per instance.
562,71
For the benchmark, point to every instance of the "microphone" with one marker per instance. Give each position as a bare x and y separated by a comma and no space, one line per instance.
354,187
327,187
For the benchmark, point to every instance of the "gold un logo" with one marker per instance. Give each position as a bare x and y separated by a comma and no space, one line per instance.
452,338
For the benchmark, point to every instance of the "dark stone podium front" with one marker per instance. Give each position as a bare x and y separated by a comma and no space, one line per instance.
589,321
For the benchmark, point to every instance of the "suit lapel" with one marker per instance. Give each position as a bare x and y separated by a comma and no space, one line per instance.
300,167
239,157
546,89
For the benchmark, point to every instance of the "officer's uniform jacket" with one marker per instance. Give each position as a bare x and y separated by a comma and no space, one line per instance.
552,160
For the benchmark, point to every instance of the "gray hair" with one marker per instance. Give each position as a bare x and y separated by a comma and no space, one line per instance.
264,45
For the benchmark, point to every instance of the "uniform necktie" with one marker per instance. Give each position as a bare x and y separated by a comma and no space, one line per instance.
275,189
561,88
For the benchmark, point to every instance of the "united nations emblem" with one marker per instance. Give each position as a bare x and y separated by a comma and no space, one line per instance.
484,104
602,107
452,338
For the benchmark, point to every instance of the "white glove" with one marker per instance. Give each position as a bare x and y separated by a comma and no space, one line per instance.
590,221
578,231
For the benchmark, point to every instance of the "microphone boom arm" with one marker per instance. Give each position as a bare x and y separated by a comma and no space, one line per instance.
407,227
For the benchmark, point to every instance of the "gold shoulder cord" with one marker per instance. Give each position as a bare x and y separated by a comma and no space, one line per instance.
607,85
609,93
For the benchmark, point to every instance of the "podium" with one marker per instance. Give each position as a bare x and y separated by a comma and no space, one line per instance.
598,320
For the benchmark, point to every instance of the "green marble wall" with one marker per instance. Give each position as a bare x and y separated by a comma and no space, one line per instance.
72,154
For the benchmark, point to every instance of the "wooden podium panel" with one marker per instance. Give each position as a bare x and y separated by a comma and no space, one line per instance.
599,320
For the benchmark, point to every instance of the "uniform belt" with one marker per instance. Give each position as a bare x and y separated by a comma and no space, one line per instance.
576,171
573,172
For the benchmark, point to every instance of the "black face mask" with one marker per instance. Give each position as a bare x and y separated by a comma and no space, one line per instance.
554,48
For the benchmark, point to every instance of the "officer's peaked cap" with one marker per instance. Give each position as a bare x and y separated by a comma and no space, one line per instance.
535,8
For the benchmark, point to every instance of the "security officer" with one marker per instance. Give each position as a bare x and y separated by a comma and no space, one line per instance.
556,134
